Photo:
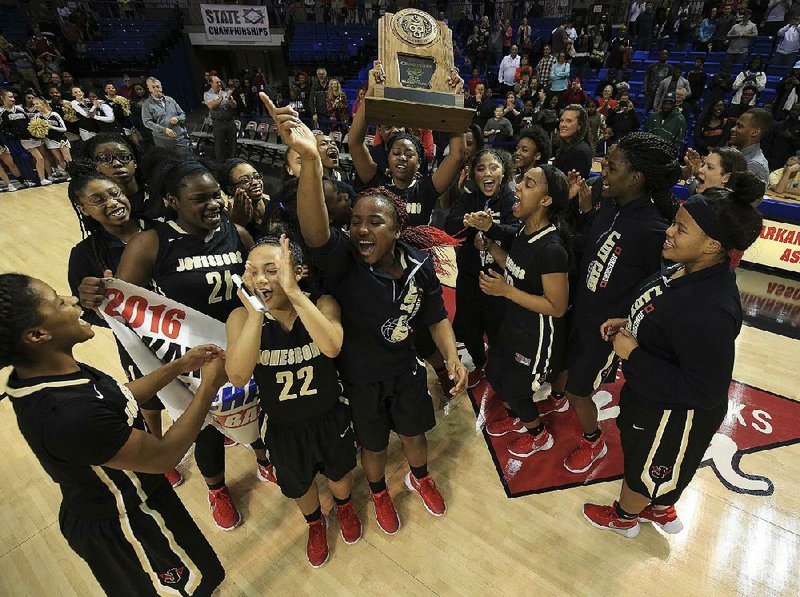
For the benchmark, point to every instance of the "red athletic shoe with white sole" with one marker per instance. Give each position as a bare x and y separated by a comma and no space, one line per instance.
426,488
605,518
349,524
552,404
174,477
526,445
666,518
317,546
475,377
266,473
585,455
223,511
385,513
505,425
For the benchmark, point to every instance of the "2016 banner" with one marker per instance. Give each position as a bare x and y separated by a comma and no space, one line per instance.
156,330
235,23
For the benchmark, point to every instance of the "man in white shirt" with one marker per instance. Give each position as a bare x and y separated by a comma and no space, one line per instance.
740,38
508,68
788,44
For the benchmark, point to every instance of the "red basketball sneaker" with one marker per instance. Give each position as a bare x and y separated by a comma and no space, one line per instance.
349,524
475,377
666,518
505,425
223,511
606,519
552,404
174,477
317,546
385,513
585,455
426,488
266,473
526,445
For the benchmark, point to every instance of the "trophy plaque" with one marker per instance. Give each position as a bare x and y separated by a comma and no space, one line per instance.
416,51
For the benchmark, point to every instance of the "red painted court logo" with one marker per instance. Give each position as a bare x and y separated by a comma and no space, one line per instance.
172,576
756,421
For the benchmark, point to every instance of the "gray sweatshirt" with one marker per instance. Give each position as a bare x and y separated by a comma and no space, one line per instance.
156,116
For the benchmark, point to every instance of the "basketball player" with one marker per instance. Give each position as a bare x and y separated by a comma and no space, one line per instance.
533,148
384,285
104,216
677,350
622,247
306,426
531,340
117,512
165,257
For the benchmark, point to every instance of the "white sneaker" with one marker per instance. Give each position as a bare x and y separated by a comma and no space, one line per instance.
46,181
12,187
29,184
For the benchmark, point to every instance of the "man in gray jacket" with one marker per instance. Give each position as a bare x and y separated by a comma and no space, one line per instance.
671,85
162,115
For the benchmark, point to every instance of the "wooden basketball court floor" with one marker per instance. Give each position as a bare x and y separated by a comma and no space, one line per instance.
733,543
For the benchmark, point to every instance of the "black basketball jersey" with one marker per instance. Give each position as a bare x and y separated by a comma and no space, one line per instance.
74,423
197,272
531,335
14,123
296,382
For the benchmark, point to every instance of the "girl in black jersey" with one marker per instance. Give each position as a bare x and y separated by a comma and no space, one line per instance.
14,122
677,350
622,246
533,148
306,426
117,513
169,257
244,186
120,159
107,225
406,176
385,285
477,313
56,140
530,342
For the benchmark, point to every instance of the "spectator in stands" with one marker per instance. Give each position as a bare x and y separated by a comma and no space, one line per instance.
23,64
524,66
596,122
138,96
581,52
126,89
508,68
618,51
748,97
575,94
667,123
482,103
319,84
606,101
775,16
39,44
222,109
705,32
783,140
511,108
67,81
337,106
623,119
670,85
508,36
740,37
498,129
787,93
524,37
527,117
720,85
724,24
750,128
637,7
785,180
713,129
655,73
494,43
545,66
753,76
526,88
560,37
559,74
697,82
362,91
165,118
788,44
605,142
550,113
645,23
574,152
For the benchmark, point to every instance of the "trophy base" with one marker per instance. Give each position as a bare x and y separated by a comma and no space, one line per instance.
449,119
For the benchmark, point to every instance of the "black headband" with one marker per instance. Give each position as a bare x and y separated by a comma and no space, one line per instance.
701,212
180,171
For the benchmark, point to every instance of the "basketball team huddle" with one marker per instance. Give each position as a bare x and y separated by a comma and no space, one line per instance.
563,276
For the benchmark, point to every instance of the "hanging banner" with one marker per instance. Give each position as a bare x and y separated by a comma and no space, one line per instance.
155,330
777,247
235,23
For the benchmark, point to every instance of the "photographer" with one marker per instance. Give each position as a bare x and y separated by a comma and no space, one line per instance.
623,119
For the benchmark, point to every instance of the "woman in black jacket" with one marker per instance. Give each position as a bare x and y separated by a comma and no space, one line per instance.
677,348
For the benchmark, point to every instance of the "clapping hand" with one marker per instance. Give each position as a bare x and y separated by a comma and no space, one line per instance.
481,220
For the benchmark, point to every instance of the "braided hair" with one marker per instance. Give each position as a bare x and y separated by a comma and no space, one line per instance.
423,238
658,161
19,311
83,171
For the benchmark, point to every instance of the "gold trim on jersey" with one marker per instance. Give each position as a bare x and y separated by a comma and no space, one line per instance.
127,531
208,237
27,391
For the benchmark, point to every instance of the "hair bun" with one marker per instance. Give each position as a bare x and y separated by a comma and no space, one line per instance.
80,167
746,188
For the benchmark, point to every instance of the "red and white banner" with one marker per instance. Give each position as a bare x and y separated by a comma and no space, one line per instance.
156,330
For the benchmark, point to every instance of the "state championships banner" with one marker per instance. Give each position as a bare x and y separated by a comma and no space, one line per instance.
156,330
235,23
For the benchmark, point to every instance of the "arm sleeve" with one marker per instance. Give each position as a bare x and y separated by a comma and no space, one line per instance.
147,120
60,127
761,81
553,259
334,258
79,108
87,434
80,267
738,81
105,114
704,344
454,222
